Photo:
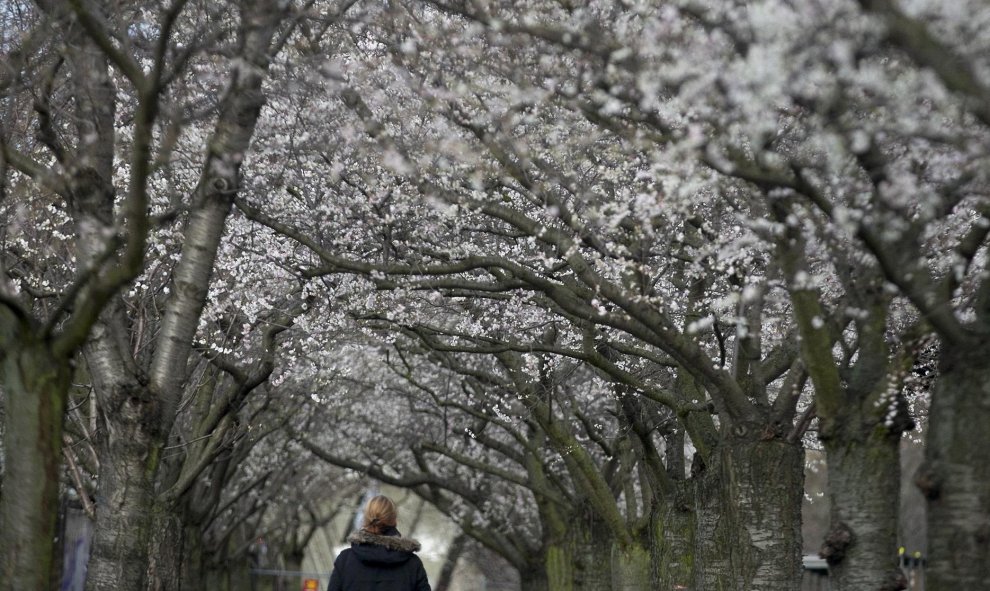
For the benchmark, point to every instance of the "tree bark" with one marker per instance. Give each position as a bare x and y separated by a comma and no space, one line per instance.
125,495
36,385
559,566
128,464
534,579
167,550
672,548
194,558
749,517
863,490
589,546
955,478
630,568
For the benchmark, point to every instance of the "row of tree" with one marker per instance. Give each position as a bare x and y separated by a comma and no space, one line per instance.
587,278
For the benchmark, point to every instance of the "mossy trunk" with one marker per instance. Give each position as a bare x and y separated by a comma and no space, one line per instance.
589,543
36,385
712,544
956,475
534,579
748,535
863,491
630,568
559,568
672,545
582,563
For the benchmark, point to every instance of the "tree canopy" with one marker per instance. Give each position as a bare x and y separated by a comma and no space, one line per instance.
588,277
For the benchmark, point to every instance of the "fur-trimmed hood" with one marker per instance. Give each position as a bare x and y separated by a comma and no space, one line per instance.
396,543
379,562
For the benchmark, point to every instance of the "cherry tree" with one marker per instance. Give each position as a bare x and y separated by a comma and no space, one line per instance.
837,130
704,211
48,309
467,451
741,139
581,276
781,117
148,137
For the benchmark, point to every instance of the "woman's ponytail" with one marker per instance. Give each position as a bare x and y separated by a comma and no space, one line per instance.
379,515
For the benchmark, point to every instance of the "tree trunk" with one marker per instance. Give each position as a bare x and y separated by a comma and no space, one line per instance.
956,476
672,547
863,490
125,496
589,547
217,579
630,568
450,561
711,550
36,386
534,579
139,419
578,556
166,550
176,556
293,563
239,576
559,563
748,535
194,559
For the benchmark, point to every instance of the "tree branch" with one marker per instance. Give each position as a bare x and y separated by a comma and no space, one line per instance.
926,50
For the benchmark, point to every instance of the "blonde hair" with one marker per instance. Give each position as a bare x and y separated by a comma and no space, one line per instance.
379,514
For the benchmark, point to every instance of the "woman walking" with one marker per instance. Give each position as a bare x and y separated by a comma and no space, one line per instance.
379,558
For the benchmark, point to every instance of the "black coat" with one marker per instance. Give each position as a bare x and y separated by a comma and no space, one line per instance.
379,563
